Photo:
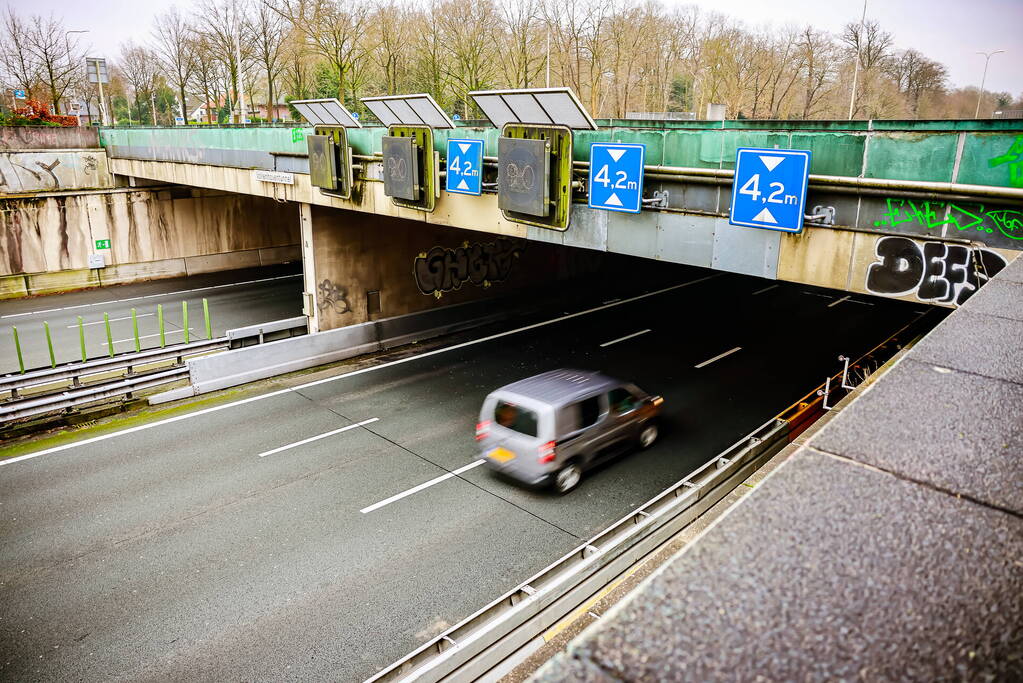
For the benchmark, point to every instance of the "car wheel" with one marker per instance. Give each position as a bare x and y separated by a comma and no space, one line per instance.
568,477
648,435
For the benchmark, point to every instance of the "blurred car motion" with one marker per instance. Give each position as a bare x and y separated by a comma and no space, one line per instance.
549,429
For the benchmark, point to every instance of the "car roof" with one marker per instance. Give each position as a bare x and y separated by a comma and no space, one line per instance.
558,387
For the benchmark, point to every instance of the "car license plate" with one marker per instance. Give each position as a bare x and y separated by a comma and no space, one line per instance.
501,455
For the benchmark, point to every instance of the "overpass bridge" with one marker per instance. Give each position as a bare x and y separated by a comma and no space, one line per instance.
924,211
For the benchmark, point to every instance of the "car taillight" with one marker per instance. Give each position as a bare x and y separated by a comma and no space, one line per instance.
657,400
482,430
547,453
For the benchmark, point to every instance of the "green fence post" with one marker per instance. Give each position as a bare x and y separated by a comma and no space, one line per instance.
184,318
135,328
81,338
49,345
159,321
17,347
110,337
206,316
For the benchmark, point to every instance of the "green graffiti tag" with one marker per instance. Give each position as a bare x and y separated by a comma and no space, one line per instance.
297,135
1014,158
962,216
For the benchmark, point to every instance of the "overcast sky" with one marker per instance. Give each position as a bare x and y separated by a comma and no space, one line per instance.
949,31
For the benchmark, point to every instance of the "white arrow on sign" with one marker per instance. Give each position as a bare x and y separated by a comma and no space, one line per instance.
462,186
617,154
464,146
771,162
613,200
765,217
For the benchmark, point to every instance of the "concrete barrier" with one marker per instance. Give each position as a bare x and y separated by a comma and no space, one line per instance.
248,364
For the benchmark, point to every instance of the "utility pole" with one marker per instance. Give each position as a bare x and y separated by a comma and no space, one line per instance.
856,69
67,49
980,95
238,60
548,58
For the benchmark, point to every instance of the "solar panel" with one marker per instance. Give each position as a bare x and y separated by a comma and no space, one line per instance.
408,110
326,112
535,106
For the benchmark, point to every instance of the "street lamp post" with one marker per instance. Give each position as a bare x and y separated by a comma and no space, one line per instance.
980,96
67,48
856,68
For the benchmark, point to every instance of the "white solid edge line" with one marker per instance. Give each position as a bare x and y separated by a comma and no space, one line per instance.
147,336
150,296
113,320
621,339
318,437
424,485
407,359
765,289
718,357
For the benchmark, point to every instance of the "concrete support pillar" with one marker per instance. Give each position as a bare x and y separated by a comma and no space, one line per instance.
309,307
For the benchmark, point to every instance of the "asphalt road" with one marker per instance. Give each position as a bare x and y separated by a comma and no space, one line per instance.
232,544
235,299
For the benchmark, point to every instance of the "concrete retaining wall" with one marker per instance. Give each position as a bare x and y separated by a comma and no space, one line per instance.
240,366
48,137
45,242
53,170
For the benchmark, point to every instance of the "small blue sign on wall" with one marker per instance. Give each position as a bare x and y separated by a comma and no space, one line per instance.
616,176
465,167
19,94
770,188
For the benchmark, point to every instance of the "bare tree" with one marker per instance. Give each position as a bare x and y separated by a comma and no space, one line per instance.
140,67
820,59
468,34
872,46
268,30
19,65
916,75
176,46
56,54
221,23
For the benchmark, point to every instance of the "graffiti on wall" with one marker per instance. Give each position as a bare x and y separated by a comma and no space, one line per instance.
332,296
1014,158
482,263
962,216
936,272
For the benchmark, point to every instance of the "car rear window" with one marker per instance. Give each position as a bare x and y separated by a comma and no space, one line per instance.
515,417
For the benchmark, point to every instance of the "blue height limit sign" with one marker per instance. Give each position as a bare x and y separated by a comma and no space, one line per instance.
465,167
616,176
770,188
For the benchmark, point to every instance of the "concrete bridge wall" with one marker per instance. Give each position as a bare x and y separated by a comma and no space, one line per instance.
58,200
45,240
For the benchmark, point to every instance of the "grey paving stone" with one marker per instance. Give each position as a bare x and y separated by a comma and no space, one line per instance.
1013,272
953,430
1002,298
977,343
572,669
830,571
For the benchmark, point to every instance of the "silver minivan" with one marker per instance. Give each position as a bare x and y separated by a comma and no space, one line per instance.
550,428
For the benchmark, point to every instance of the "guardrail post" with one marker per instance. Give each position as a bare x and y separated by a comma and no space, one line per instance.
49,344
17,347
206,316
110,337
135,329
81,338
159,322
184,318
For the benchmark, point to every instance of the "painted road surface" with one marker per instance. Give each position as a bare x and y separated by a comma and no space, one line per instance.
235,299
176,551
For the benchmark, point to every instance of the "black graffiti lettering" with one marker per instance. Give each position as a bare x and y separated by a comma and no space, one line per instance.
936,271
332,296
442,270
900,269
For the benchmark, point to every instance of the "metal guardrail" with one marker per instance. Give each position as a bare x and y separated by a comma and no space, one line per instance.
64,387
31,407
75,372
483,640
299,324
